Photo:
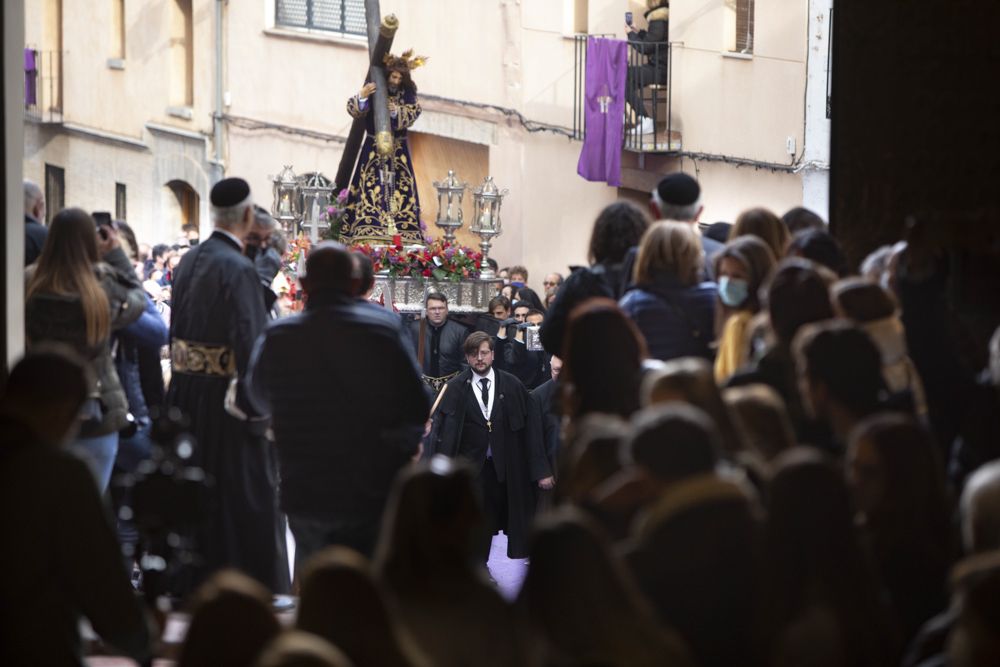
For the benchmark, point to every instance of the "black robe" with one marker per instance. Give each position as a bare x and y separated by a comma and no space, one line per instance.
524,457
217,301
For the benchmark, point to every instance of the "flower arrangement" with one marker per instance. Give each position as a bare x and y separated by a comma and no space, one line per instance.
439,260
336,214
292,263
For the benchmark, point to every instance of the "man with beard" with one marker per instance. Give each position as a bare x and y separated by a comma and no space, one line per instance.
218,313
487,418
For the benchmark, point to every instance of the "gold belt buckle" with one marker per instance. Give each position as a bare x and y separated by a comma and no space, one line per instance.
198,359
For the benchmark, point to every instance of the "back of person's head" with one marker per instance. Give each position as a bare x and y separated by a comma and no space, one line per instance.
66,266
898,476
718,231
578,595
430,524
691,380
618,227
602,356
841,361
301,649
677,197
232,205
669,249
126,237
799,219
366,273
342,603
160,250
797,294
757,260
45,390
861,300
980,509
674,441
763,224
813,557
819,246
528,296
593,454
330,269
32,197
763,418
231,622
973,640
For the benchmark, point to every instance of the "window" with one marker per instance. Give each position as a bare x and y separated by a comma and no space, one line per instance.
187,205
55,191
181,54
118,29
120,208
343,16
739,25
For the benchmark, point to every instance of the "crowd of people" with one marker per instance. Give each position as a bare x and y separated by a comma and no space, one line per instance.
715,445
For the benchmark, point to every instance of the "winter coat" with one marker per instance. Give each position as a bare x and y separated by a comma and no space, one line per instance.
677,320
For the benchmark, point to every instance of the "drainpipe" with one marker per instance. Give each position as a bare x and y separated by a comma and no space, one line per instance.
218,167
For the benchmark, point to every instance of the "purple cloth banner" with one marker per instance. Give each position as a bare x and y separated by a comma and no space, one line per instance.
601,157
30,77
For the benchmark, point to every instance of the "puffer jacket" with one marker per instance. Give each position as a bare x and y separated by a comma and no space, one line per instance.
657,32
59,318
676,320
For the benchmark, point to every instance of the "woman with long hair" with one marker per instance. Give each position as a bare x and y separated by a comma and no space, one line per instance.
673,310
765,225
740,269
74,297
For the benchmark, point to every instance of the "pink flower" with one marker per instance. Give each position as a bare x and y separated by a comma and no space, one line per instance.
342,196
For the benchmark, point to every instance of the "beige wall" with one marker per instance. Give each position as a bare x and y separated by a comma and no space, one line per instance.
516,54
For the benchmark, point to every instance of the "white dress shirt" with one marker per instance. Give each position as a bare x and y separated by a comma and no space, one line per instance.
487,407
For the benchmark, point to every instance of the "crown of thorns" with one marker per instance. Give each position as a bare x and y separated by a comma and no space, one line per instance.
403,63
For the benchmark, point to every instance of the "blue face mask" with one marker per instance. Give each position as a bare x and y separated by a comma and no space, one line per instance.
733,291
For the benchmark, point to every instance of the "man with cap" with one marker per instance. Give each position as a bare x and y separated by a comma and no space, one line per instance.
218,313
677,197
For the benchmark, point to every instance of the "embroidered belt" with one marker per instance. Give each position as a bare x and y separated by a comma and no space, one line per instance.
197,359
437,383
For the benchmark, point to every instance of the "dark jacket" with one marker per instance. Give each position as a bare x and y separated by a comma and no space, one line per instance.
60,318
676,320
531,367
517,443
68,562
657,33
600,280
452,358
347,407
35,234
147,332
547,398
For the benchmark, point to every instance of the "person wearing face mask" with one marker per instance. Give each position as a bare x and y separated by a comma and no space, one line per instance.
259,250
741,268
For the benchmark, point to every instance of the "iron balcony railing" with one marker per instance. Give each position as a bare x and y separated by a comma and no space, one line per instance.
43,93
647,93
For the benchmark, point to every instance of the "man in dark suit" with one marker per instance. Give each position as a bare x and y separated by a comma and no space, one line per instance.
218,313
547,397
35,231
487,417
347,407
438,342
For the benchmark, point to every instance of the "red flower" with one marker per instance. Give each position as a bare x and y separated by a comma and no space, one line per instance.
427,273
397,241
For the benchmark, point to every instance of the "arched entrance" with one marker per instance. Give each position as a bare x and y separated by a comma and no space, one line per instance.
182,209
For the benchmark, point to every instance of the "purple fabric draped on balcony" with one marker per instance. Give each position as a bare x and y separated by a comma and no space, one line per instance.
30,77
601,157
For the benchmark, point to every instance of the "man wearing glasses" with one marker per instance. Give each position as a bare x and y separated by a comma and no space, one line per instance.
438,341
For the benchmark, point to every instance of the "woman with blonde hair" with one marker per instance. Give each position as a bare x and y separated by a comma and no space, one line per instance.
741,267
765,225
74,297
672,309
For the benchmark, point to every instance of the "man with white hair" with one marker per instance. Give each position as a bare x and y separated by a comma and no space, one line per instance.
35,231
218,313
677,197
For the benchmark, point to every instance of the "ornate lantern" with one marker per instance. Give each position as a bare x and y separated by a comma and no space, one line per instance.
317,195
450,194
486,219
285,207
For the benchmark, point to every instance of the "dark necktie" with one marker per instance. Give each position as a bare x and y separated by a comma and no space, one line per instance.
485,384
435,366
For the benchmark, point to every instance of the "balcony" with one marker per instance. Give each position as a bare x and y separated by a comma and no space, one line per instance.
43,101
647,92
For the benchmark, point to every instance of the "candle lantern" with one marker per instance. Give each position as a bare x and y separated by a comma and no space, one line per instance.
450,194
317,195
285,206
486,220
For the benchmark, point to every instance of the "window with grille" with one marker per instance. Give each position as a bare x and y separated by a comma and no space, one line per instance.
121,212
55,190
344,16
744,26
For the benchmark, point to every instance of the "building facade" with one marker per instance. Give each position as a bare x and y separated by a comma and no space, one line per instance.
141,111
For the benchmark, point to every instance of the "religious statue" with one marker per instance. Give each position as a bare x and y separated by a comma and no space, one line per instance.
383,200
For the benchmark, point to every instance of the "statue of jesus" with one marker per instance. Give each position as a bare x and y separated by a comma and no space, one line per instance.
383,200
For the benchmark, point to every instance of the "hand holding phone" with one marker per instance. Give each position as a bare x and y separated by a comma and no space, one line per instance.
628,19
